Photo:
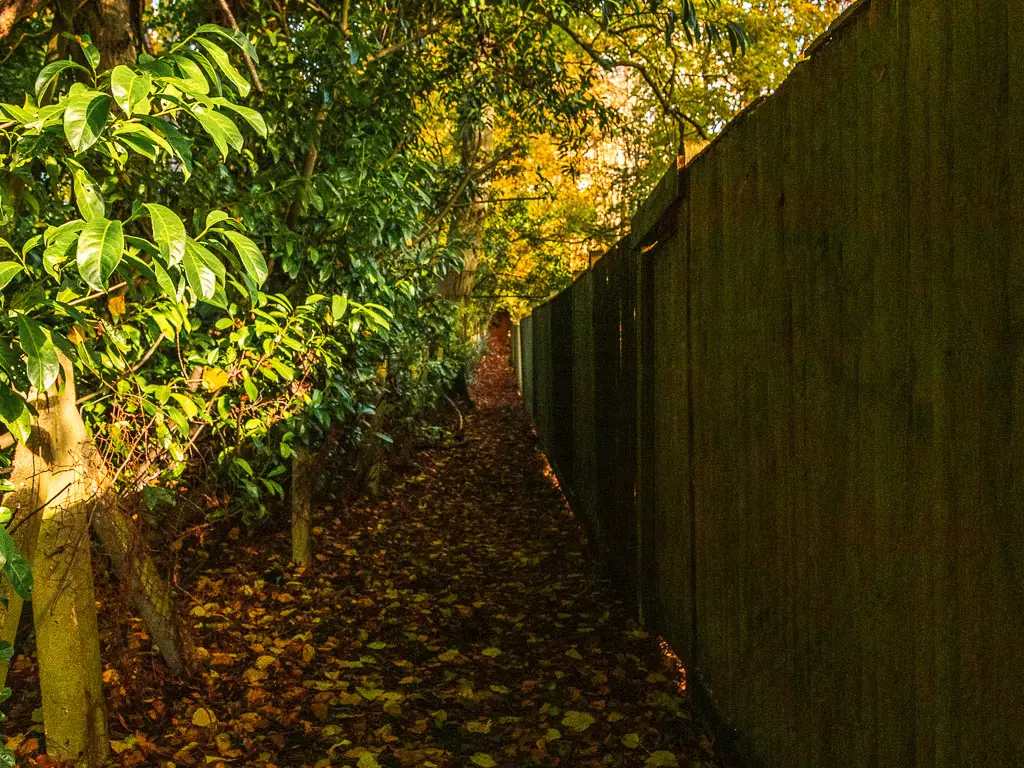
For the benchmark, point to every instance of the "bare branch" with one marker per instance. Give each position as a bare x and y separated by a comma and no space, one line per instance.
453,200
669,108
248,62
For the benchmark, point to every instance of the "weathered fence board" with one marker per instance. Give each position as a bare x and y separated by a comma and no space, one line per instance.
562,387
542,391
583,492
788,406
671,548
528,373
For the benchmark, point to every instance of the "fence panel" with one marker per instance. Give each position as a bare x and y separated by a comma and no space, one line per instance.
812,383
627,555
606,384
562,387
517,357
671,549
529,373
542,410
583,492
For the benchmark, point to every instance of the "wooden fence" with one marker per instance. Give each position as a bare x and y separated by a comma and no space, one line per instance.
789,407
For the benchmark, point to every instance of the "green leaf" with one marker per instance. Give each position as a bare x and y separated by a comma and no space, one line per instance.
139,142
50,72
92,53
214,124
483,760
252,260
142,139
88,197
30,244
631,740
338,306
16,113
179,143
578,721
200,270
237,38
209,70
15,414
216,217
192,74
99,251
168,231
130,89
15,566
8,269
84,118
154,66
251,116
53,234
42,366
223,62
231,132
154,273
59,242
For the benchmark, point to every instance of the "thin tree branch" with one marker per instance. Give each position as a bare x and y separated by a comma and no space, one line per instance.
248,62
670,109
453,200
396,47
308,166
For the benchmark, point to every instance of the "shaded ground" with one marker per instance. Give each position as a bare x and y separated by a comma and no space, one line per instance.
456,621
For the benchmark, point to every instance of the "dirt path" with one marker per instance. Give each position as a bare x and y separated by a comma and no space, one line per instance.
456,621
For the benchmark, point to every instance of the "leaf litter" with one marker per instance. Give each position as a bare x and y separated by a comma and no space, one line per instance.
456,620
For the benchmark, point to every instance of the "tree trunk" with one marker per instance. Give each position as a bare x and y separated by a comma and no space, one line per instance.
30,478
308,166
124,544
113,28
477,138
150,592
63,605
303,463
372,456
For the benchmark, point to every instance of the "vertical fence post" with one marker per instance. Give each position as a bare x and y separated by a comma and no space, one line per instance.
526,364
645,446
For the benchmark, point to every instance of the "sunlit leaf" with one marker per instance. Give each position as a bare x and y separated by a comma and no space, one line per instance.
130,89
50,72
85,117
42,365
252,260
168,231
8,271
99,251
220,58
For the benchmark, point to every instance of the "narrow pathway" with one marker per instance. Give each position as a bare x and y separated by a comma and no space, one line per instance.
505,645
455,621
